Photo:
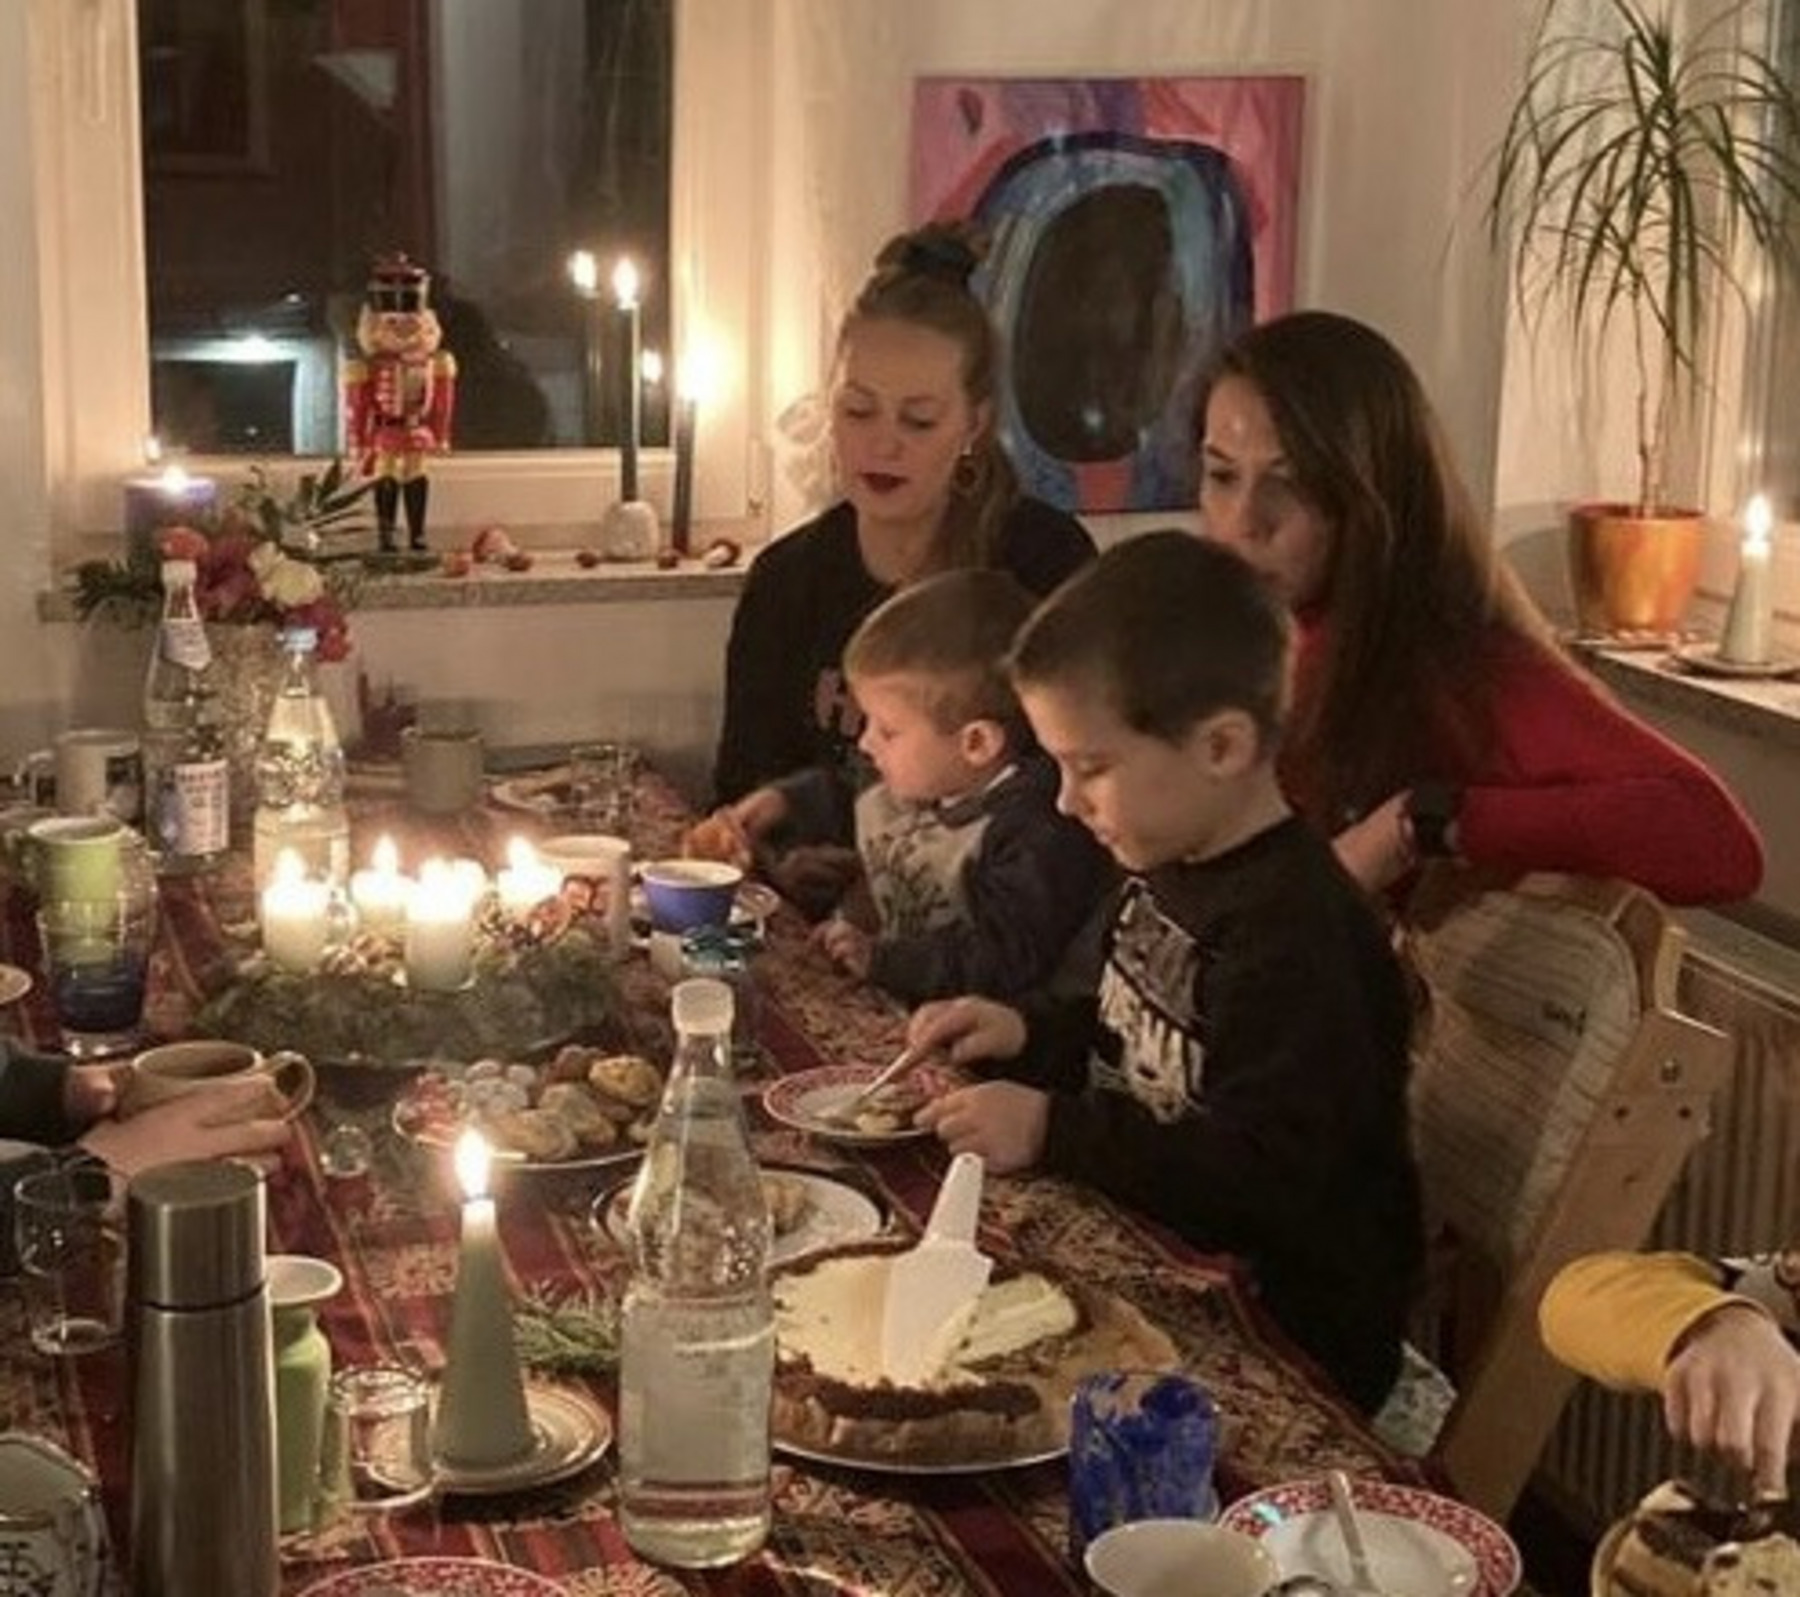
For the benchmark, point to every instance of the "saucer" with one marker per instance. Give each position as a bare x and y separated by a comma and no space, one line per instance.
1704,659
14,984
569,1431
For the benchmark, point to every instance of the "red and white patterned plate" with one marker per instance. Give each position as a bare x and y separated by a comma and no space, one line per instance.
434,1577
806,1100
1408,1531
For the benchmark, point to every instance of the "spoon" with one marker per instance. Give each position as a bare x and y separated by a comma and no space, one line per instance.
1344,1509
902,1062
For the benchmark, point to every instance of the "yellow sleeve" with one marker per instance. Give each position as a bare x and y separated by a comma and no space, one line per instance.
1617,1316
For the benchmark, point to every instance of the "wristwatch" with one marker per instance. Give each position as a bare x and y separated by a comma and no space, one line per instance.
1431,810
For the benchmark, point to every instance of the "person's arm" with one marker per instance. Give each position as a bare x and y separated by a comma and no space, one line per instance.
1596,792
1617,1317
759,738
34,1097
1028,893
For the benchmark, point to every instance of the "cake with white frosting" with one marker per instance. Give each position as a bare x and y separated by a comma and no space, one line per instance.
1002,1395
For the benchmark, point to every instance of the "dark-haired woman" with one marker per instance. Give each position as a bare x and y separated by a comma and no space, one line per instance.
1434,713
926,488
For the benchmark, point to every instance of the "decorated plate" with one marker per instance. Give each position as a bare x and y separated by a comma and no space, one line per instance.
1600,1573
895,1466
1704,659
570,1430
434,1577
14,984
437,1105
807,1099
1419,1543
834,1211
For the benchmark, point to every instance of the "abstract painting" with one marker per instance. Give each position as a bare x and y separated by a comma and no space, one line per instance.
1134,225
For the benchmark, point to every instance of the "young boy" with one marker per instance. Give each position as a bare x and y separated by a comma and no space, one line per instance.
1240,1073
977,883
974,882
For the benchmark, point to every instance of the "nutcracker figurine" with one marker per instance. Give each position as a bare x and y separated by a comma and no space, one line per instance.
398,398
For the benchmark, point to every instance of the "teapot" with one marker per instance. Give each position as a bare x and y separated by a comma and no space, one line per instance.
52,1532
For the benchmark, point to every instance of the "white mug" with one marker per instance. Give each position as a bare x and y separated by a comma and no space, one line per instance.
52,1530
99,768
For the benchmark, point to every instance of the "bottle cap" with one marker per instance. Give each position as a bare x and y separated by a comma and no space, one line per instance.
195,1234
304,639
702,1004
178,571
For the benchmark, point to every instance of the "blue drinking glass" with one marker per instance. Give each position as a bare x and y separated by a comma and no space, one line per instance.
1141,1446
97,959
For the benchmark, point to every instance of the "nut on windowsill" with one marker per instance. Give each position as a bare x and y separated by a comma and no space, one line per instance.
720,553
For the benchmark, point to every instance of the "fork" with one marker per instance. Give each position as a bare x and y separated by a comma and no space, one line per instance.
902,1062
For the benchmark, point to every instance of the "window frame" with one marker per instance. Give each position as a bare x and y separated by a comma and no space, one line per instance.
94,356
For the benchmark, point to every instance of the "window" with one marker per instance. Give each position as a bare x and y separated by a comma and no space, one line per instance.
76,157
288,145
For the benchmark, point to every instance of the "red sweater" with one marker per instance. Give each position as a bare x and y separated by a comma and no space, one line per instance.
1571,781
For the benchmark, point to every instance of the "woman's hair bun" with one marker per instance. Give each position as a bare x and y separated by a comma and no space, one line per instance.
946,251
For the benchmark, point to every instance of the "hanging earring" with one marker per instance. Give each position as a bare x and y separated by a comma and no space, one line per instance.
969,473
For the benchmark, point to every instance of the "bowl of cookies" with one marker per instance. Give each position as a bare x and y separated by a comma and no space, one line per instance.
586,1107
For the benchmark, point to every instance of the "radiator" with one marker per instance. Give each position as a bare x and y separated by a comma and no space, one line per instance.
1740,1192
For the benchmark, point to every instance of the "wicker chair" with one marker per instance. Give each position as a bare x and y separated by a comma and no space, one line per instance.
1556,1095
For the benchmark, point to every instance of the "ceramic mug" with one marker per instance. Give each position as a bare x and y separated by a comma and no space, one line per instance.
79,856
171,1069
1179,1558
442,769
51,1524
100,769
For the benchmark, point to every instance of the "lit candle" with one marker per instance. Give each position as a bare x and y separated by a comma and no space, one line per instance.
482,1419
584,273
296,915
527,880
440,930
625,290
1749,621
167,499
380,892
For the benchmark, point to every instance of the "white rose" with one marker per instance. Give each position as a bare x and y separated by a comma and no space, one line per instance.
264,558
292,582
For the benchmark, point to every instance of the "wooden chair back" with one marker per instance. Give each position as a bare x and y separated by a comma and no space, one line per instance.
1556,1094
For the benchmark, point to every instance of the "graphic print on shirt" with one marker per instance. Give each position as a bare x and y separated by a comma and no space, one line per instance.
1150,1042
835,710
914,861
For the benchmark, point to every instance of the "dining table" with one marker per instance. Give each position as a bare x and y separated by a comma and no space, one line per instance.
392,1229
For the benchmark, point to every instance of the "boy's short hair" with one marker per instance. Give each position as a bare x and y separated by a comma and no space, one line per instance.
952,630
1171,629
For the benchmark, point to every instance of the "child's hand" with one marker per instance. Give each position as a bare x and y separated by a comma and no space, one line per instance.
1734,1388
962,1030
1004,1122
847,947
1378,850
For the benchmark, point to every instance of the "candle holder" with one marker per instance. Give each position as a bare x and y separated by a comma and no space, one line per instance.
630,531
482,1417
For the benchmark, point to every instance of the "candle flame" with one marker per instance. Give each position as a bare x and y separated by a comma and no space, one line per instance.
584,273
386,857
289,867
699,376
651,366
625,283
153,450
520,854
174,480
473,1157
1759,522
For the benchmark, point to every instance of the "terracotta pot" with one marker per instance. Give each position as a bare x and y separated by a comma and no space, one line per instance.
1630,572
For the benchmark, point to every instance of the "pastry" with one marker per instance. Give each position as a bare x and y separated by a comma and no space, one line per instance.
578,1109
535,1133
1005,1394
627,1079
1676,1544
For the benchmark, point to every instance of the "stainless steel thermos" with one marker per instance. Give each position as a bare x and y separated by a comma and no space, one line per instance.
202,1384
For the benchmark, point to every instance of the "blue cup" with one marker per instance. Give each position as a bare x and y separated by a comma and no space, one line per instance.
684,893
97,959
1141,1446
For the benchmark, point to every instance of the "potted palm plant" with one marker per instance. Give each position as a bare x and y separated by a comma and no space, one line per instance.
1648,167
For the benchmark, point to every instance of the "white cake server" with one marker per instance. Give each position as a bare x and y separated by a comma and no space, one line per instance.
933,1288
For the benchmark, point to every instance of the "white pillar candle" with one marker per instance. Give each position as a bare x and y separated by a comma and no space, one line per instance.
296,915
527,880
482,1418
381,891
440,930
1750,621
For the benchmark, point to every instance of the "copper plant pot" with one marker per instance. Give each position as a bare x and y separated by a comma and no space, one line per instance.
1633,573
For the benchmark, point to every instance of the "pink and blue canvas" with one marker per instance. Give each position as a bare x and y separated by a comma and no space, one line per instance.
1134,225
